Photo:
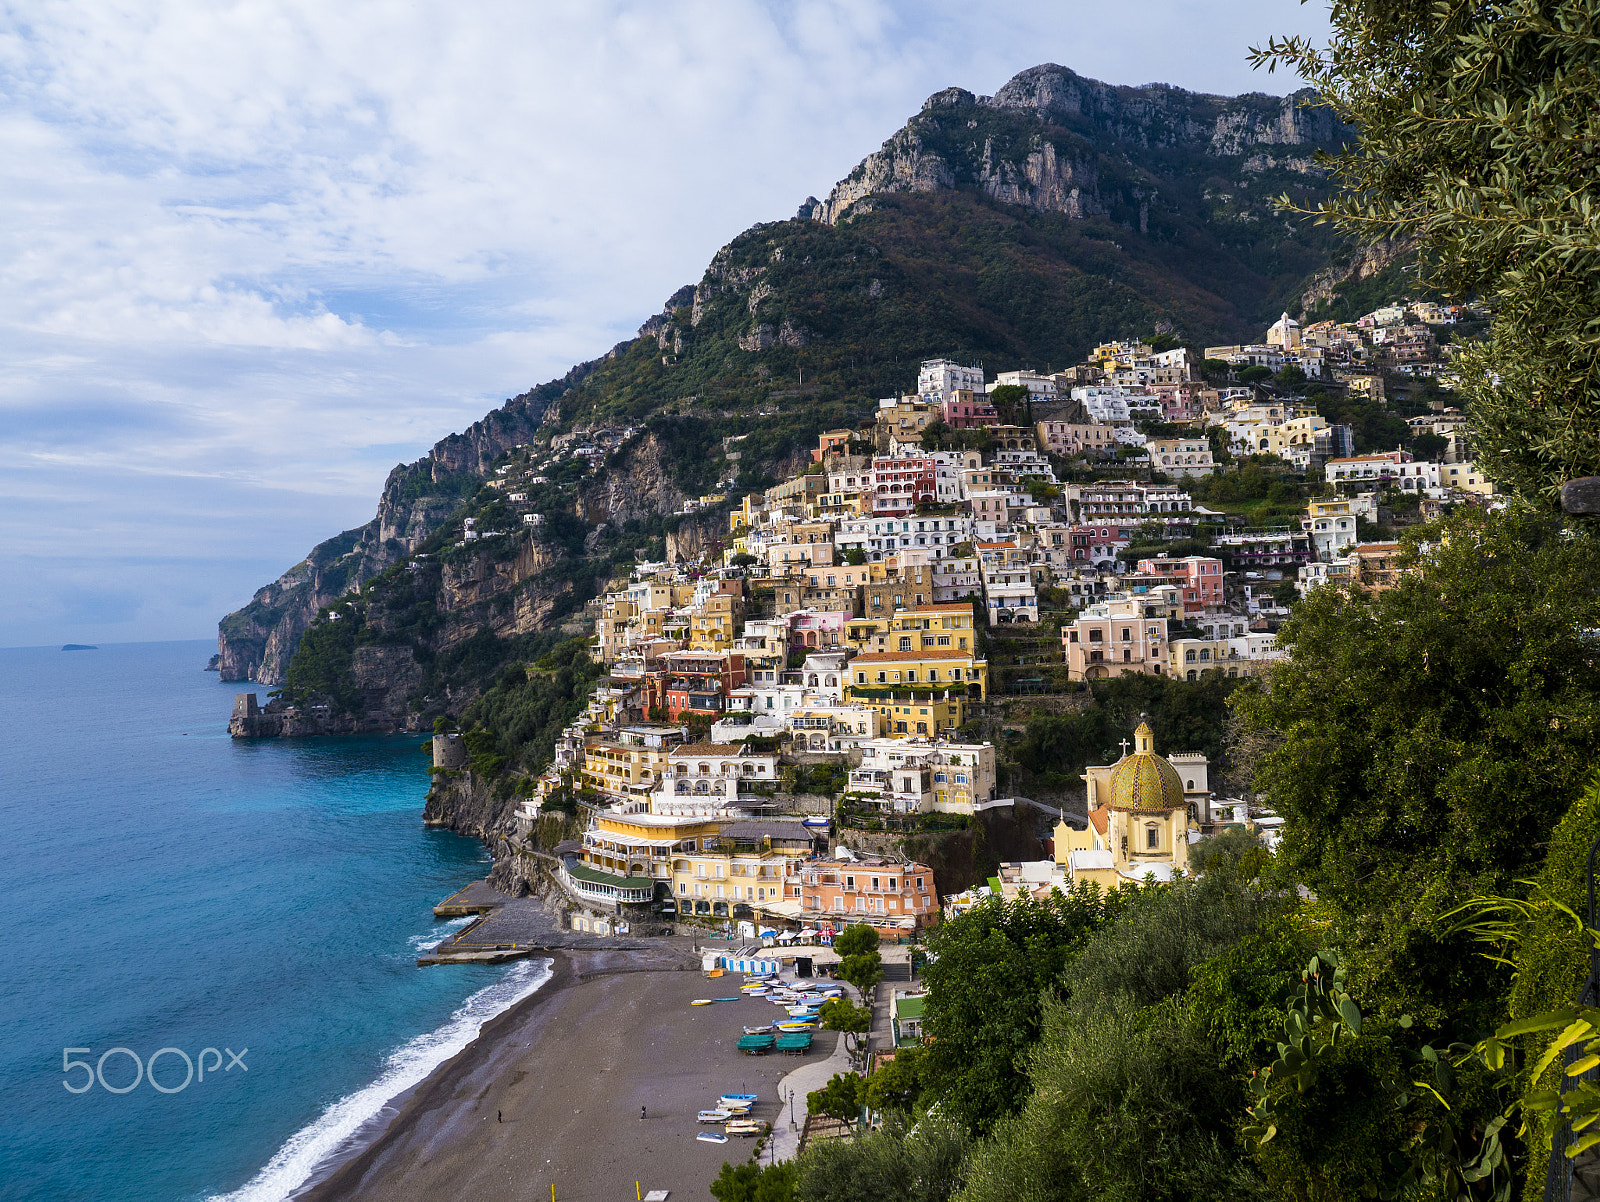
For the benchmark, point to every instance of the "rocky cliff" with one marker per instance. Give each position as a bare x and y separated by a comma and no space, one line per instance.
1040,142
258,641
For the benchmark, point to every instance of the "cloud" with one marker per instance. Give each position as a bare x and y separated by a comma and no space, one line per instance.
266,250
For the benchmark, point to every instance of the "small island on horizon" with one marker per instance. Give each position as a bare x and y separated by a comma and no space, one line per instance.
79,647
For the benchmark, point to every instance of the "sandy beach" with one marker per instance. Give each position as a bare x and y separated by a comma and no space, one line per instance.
567,1070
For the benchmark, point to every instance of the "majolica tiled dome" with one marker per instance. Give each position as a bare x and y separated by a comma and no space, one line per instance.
1143,780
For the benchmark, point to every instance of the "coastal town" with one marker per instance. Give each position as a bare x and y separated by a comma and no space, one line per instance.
827,663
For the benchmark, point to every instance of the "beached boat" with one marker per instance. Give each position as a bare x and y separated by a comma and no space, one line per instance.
712,1137
719,1115
796,1025
701,1001
750,1128
749,1099
764,1030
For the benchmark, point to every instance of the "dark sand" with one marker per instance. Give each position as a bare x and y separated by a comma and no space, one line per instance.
569,1068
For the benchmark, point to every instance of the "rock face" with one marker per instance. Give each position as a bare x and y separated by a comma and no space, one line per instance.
1364,264
1038,142
258,641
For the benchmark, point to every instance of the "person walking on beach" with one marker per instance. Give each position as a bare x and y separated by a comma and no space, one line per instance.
498,1117
641,1114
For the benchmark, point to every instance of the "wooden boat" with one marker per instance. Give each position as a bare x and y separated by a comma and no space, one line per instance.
745,1128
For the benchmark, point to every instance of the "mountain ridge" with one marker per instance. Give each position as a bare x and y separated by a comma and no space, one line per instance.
1089,211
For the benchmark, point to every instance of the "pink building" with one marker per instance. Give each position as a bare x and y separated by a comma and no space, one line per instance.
1099,544
1179,402
1200,578
965,409
902,482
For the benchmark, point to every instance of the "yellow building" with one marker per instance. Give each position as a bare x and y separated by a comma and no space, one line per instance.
1138,820
717,623
708,865
931,627
918,692
1466,477
627,765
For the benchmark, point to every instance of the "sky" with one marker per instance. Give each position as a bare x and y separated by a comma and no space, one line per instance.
253,254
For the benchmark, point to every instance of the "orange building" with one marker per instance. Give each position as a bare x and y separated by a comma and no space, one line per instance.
880,893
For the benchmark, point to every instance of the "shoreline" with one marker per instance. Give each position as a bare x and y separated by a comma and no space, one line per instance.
337,1179
550,1093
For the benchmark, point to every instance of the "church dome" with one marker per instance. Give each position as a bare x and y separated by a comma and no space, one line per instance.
1143,780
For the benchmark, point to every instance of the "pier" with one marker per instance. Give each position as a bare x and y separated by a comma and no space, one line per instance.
508,928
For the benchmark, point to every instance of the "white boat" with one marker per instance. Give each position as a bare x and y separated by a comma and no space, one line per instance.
750,1128
727,1099
718,1115
762,1030
712,1137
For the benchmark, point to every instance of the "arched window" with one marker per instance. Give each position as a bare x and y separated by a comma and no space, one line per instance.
1152,835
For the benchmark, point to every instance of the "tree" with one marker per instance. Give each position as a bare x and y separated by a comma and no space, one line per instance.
1133,1095
1013,403
840,1098
1255,375
1429,447
743,560
1432,736
987,973
1292,375
933,434
1479,141
844,1016
898,1084
894,1164
860,963
749,1182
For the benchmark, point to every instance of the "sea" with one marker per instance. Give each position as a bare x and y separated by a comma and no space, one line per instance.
211,987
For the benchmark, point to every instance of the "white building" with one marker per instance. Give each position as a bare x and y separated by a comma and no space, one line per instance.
941,377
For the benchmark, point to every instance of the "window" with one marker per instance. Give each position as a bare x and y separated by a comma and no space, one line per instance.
905,644
1152,837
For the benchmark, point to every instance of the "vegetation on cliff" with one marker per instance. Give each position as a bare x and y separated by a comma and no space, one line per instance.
1480,142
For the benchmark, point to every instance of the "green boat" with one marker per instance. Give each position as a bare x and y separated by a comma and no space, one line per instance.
756,1044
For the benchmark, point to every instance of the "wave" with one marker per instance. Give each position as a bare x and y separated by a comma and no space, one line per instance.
322,1140
429,940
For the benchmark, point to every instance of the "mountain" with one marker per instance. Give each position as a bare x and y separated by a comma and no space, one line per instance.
1018,230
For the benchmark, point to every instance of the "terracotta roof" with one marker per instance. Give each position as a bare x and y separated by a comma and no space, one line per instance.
1101,818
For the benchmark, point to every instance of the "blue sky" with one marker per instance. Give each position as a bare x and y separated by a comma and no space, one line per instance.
253,255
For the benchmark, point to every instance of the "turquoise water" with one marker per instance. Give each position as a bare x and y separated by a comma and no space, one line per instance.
171,888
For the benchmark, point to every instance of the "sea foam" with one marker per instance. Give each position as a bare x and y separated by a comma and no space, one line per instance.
317,1143
432,939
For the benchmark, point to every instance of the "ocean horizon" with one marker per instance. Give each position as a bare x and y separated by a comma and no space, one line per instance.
213,986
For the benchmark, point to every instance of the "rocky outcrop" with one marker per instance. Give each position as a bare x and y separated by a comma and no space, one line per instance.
258,641
637,484
280,720
694,536
1365,263
1036,142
